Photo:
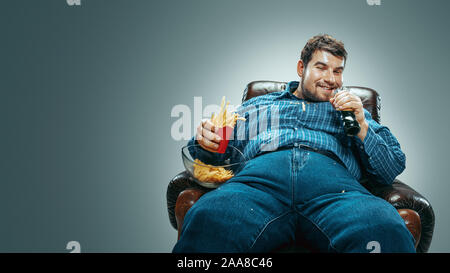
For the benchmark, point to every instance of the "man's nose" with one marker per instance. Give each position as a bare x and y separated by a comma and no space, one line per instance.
330,78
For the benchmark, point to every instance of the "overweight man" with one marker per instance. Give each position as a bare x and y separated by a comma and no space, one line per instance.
307,184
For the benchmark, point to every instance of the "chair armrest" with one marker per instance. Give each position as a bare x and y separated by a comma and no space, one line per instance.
404,198
177,185
186,199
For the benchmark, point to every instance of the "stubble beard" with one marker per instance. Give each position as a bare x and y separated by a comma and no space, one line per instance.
307,94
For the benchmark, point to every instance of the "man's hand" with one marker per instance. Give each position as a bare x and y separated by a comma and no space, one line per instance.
346,101
207,136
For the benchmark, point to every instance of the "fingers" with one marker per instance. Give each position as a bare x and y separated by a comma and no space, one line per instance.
206,136
210,131
213,137
341,95
332,102
207,144
207,124
350,105
345,100
337,97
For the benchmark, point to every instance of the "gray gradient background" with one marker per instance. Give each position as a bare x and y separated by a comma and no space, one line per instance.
87,92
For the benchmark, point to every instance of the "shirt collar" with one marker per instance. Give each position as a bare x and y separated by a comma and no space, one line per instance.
292,86
289,90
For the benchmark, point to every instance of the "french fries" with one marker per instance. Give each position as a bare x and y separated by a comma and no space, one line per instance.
224,121
225,118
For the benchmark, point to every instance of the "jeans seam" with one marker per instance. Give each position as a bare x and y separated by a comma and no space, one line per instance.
298,162
320,229
266,225
303,160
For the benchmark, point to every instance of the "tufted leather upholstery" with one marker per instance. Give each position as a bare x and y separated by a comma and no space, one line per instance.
416,211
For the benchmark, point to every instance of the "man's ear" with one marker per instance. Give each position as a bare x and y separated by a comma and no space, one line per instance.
300,68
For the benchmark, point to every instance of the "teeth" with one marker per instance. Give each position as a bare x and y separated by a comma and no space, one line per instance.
326,87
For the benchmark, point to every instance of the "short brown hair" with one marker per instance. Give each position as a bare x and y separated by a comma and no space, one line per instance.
323,42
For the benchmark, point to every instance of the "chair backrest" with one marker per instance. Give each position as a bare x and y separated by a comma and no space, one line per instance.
369,97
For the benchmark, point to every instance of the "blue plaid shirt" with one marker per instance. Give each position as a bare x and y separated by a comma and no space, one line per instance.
280,119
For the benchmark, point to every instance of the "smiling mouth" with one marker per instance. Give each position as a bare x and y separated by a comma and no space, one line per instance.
327,88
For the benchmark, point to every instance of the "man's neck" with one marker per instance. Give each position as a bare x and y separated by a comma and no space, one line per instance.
298,92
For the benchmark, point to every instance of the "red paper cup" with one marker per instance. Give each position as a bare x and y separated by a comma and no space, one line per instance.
224,133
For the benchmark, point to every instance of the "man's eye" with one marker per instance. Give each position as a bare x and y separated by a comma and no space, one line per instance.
338,72
321,67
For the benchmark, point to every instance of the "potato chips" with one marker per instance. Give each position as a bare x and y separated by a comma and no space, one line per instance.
210,174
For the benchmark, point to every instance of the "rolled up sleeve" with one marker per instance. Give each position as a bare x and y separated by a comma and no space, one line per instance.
381,153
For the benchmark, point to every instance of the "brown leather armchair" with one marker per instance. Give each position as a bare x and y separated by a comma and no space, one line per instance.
183,192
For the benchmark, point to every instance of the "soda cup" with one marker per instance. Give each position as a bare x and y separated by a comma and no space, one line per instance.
349,122
351,125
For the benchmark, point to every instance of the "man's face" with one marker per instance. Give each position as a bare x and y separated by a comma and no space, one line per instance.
322,76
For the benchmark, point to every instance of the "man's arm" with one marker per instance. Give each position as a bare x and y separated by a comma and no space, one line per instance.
207,157
380,152
204,145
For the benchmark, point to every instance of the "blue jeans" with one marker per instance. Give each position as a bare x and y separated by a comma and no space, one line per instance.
290,195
